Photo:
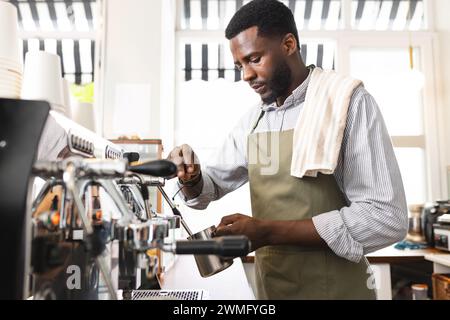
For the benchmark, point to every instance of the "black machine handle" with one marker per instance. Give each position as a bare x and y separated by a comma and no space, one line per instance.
157,168
226,246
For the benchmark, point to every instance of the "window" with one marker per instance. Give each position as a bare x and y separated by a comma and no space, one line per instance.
312,14
213,60
368,39
388,14
66,28
387,78
215,14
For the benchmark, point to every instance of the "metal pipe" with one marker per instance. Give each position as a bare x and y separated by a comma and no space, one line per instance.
175,210
50,183
69,179
112,190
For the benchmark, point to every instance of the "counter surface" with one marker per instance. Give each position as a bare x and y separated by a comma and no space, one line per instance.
230,284
386,255
392,255
440,258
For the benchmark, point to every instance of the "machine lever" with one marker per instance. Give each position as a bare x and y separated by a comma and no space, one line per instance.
157,168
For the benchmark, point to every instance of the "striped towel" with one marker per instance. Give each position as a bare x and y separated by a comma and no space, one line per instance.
320,127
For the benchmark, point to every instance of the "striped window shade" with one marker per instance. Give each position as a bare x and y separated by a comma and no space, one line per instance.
215,14
313,14
40,17
213,60
77,56
56,15
388,15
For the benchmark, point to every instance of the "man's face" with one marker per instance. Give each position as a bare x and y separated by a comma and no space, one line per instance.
262,62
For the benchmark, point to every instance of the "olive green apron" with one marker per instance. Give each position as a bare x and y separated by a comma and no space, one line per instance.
294,272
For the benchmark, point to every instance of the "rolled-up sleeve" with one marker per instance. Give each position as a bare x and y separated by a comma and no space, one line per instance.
369,177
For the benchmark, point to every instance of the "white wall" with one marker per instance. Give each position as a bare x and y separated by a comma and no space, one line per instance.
138,68
441,9
167,75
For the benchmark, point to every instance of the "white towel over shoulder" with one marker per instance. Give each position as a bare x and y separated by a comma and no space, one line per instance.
320,127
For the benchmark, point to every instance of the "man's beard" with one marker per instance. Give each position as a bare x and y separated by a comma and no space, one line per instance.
279,83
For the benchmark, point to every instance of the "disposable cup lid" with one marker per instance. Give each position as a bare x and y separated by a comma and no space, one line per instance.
419,286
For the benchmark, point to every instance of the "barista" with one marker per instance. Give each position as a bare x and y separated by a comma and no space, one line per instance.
310,234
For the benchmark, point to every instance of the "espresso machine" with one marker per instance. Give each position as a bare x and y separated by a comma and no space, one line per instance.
90,232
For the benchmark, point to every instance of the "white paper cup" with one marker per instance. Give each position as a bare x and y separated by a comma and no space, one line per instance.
9,94
9,32
11,61
9,91
11,81
15,87
66,95
83,114
10,71
9,87
42,77
60,109
14,66
9,75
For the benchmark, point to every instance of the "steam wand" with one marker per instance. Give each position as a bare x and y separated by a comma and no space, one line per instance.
175,210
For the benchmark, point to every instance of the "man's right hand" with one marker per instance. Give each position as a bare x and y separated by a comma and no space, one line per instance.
188,165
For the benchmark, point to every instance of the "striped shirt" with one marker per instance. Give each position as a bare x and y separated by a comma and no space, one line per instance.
367,173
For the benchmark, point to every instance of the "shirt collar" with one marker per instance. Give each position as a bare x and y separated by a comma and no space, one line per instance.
297,96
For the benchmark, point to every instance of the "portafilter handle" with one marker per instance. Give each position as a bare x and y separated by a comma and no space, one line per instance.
226,246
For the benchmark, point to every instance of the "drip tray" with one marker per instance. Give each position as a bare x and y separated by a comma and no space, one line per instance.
169,295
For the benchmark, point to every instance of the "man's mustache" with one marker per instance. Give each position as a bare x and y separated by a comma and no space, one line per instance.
255,83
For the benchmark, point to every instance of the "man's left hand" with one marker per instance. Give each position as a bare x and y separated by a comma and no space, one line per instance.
239,224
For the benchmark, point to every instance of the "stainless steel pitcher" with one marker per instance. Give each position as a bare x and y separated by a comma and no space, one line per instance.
209,265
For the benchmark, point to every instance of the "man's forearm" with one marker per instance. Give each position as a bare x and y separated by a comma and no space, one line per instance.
296,232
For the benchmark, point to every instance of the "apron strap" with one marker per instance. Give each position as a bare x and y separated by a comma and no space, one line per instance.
311,67
257,121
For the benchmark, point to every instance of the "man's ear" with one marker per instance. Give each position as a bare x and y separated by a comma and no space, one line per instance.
289,44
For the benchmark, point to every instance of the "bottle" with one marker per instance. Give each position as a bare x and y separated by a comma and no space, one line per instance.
415,230
419,291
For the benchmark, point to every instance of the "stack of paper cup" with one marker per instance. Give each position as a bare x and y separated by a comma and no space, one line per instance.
83,114
42,80
67,99
10,63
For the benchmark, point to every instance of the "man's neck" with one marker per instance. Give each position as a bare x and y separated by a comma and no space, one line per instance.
299,74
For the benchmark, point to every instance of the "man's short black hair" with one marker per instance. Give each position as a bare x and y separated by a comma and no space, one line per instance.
271,17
